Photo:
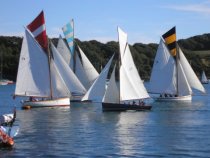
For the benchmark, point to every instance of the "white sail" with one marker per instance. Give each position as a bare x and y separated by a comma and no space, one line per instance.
190,74
203,77
184,88
67,74
122,37
33,70
80,72
112,91
163,74
89,69
97,90
59,89
131,85
65,52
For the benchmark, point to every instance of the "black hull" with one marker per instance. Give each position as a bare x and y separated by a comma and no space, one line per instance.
5,145
124,107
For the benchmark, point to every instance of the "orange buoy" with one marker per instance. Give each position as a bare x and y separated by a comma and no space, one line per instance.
26,107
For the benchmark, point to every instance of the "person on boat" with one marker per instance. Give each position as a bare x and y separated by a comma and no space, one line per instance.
141,102
32,99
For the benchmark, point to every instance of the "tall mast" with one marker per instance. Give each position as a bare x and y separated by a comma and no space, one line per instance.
73,52
119,62
176,59
49,63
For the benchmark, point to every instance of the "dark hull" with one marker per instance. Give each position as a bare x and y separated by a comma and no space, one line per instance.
124,107
5,145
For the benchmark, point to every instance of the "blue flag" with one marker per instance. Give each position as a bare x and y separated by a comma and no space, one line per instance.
68,31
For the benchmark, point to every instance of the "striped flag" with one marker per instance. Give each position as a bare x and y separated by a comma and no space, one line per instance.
68,31
170,39
38,29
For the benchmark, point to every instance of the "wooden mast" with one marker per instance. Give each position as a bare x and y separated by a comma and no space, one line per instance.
177,79
119,64
49,63
74,52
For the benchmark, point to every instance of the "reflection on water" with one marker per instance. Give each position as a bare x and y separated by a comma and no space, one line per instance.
170,129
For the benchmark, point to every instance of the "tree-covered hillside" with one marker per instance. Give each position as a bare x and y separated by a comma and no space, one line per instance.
195,48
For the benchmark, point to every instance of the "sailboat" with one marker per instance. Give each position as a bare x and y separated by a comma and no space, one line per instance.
97,90
7,130
131,92
204,79
77,60
43,76
34,78
172,76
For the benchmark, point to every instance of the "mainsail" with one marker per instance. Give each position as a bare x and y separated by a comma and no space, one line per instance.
33,70
162,78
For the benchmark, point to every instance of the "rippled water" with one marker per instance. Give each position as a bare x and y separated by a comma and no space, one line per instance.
84,130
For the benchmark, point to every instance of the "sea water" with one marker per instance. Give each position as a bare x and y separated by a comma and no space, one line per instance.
170,129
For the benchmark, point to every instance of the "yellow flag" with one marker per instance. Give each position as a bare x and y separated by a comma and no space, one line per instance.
170,39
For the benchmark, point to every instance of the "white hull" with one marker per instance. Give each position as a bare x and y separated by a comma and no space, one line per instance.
3,83
179,98
47,103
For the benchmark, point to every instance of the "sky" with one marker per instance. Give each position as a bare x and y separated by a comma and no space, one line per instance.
143,20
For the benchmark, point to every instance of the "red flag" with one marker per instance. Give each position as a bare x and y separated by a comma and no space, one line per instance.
38,29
